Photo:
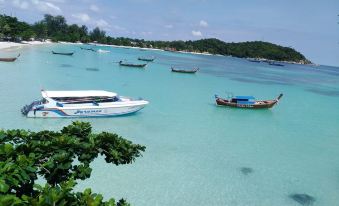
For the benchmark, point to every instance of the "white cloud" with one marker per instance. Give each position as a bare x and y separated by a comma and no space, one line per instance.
203,23
169,26
145,33
102,23
47,7
20,4
196,33
94,8
82,16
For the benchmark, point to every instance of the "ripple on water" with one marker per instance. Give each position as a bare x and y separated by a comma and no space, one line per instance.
66,65
326,92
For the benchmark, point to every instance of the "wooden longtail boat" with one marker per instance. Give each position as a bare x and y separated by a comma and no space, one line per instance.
247,102
89,49
121,63
192,71
61,53
146,59
11,59
276,64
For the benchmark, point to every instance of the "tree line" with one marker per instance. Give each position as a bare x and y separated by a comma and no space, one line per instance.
57,29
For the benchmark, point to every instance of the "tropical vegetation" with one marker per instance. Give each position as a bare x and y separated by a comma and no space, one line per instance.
57,29
59,159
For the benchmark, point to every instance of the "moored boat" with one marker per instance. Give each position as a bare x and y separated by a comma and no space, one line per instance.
89,49
276,64
146,59
10,59
63,53
85,103
191,71
127,64
247,102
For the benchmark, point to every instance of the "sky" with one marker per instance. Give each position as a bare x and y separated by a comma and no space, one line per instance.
309,26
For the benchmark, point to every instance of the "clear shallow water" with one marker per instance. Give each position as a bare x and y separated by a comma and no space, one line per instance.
195,150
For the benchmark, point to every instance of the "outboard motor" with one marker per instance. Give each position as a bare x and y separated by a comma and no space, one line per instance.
29,107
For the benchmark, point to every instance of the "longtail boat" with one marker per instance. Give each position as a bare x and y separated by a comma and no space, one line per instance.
62,53
146,59
192,71
89,49
276,64
11,59
247,102
121,63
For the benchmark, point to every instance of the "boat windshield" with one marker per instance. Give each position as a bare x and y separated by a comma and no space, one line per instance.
89,99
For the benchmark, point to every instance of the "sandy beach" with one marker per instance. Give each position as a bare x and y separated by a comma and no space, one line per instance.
8,45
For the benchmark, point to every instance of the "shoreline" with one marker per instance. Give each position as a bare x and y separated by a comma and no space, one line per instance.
9,45
5,45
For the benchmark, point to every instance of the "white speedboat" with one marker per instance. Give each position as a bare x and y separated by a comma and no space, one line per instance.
87,103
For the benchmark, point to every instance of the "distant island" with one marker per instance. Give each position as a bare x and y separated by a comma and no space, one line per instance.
57,29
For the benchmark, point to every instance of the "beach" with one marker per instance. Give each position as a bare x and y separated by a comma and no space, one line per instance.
7,45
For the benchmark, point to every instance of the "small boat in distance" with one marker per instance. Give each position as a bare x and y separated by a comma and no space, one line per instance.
103,51
63,53
254,60
247,102
276,64
127,64
191,71
85,103
146,59
89,49
10,59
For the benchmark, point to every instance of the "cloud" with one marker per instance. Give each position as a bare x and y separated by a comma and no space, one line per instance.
82,16
196,33
47,7
102,23
203,23
20,4
169,26
146,33
94,8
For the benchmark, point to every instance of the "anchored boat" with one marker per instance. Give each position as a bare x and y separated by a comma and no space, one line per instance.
146,59
85,103
127,64
63,53
11,59
276,64
191,71
247,102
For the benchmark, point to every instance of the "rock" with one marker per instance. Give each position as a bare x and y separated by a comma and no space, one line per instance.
303,199
92,69
246,170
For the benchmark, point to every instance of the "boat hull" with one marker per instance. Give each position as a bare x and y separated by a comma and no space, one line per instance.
66,112
266,104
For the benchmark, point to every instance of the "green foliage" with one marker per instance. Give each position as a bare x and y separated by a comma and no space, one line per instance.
60,158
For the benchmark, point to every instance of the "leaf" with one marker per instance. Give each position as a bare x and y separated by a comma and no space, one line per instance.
3,186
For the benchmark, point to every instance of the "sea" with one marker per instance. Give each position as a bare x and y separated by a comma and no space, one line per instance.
197,153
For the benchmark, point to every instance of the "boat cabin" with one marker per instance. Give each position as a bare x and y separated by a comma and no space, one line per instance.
243,100
79,97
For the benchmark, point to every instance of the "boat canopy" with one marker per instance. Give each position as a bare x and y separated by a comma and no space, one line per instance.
81,93
244,97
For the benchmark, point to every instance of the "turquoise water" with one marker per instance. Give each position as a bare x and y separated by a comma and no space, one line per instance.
195,150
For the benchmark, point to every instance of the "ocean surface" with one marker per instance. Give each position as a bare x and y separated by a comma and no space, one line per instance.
196,152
